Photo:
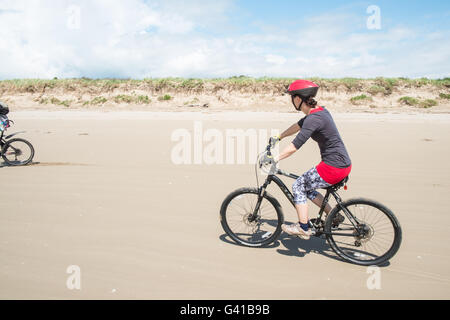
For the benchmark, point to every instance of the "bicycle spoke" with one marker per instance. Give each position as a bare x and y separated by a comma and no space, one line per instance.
373,238
18,152
239,211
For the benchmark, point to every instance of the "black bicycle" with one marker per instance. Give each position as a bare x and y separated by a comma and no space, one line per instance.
360,231
15,152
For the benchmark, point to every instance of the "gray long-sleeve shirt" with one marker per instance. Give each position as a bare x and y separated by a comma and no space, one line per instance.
320,126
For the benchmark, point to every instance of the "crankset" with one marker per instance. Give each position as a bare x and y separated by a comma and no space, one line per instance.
316,226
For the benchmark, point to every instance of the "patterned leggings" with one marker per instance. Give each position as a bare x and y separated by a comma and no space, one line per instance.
305,187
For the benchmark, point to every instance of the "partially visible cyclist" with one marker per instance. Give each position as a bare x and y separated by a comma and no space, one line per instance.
4,110
336,165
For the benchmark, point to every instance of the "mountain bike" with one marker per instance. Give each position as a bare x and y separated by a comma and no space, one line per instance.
15,152
360,231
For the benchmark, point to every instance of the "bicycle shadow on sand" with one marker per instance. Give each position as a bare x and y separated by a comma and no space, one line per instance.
296,247
45,164
225,238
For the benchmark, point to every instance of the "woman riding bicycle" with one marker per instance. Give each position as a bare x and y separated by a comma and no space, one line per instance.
4,110
336,164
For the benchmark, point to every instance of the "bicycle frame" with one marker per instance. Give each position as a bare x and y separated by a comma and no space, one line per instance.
4,140
330,191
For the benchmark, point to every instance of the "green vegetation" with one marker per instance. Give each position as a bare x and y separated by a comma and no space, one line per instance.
123,99
191,84
409,101
428,103
193,101
132,99
241,83
165,98
387,83
56,101
360,98
143,100
349,83
374,90
444,96
98,100
66,103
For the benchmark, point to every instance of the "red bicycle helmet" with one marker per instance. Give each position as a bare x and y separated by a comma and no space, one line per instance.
304,89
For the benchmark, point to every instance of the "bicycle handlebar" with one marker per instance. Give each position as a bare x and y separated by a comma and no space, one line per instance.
268,150
279,171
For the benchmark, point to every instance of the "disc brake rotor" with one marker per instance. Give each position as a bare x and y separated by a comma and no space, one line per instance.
254,224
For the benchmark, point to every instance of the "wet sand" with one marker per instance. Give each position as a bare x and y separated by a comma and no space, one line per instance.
105,195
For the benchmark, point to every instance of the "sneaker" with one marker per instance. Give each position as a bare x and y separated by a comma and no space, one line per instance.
296,230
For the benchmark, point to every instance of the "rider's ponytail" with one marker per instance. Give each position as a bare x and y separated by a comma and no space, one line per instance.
311,102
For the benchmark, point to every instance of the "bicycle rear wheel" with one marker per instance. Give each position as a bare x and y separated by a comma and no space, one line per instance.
17,152
236,218
372,240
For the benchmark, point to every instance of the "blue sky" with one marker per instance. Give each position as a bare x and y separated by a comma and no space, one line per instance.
399,11
222,38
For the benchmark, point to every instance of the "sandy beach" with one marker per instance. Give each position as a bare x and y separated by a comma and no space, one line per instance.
104,194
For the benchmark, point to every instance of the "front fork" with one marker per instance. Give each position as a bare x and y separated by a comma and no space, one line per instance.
261,194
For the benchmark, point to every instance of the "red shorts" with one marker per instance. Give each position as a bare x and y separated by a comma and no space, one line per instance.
331,174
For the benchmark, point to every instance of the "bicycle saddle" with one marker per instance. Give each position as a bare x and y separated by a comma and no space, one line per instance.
339,184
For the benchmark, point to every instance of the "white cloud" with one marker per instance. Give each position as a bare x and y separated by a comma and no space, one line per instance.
140,38
275,59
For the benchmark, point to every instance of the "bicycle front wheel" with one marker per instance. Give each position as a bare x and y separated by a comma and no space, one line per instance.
239,222
363,232
17,152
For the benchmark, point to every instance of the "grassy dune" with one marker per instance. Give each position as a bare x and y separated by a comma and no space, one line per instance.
241,83
236,93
